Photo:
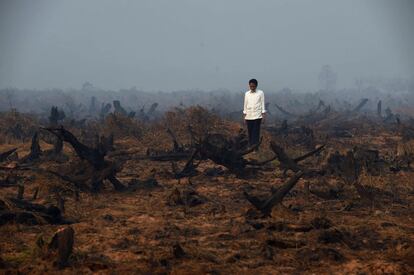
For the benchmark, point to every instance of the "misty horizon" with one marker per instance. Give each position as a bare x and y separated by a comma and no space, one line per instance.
195,45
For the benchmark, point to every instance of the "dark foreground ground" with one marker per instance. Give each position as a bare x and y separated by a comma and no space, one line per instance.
216,231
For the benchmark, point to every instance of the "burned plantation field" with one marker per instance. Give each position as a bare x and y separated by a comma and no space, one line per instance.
327,192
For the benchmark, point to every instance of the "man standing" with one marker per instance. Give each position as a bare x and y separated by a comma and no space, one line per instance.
254,111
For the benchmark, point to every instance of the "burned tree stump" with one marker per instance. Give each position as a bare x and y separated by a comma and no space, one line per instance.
349,168
35,151
350,165
119,109
379,109
105,109
226,152
55,116
179,151
62,245
220,149
95,157
56,153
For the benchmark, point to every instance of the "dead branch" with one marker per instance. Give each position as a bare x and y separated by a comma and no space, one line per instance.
5,155
283,111
266,205
360,105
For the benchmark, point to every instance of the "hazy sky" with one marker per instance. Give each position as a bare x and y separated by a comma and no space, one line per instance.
210,44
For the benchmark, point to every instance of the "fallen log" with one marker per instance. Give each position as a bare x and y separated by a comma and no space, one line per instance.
5,155
265,206
25,212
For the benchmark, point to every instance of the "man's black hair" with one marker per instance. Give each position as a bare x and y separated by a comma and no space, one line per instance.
254,81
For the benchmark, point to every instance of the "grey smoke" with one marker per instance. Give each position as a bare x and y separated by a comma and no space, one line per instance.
186,44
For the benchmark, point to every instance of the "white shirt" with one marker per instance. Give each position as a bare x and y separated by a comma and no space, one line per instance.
254,105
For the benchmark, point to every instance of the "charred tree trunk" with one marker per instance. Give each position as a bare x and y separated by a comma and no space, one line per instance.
228,153
379,109
119,109
189,168
102,169
62,242
20,211
5,155
95,156
265,206
55,116
288,163
35,151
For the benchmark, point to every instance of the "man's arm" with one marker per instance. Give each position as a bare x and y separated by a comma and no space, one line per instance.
245,106
263,106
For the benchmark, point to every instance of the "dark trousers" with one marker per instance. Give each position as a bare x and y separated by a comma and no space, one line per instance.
253,129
